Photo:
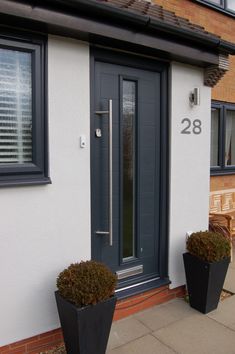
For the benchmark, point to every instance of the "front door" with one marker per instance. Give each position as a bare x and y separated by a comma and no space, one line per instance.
126,170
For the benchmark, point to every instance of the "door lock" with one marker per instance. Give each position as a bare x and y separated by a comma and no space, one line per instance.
98,133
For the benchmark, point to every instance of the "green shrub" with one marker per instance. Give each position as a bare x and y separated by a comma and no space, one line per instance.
86,283
208,246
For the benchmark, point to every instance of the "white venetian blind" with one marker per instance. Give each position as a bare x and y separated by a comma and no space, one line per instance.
15,107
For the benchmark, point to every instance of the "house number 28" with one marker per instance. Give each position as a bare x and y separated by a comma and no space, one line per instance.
191,127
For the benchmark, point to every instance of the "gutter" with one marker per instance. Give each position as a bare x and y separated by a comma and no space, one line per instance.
99,9
196,37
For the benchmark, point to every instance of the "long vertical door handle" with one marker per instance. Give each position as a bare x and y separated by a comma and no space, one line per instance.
110,172
110,117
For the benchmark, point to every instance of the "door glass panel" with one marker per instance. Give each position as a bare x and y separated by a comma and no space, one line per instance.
129,113
215,137
230,138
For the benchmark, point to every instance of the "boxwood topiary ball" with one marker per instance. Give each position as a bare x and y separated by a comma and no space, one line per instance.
86,283
208,246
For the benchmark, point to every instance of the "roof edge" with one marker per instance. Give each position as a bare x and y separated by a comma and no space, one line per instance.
146,22
98,8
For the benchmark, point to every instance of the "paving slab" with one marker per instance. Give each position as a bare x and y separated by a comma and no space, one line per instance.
147,345
163,315
232,264
225,313
229,283
197,334
125,331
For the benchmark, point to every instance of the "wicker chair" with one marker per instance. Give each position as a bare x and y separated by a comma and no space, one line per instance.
223,223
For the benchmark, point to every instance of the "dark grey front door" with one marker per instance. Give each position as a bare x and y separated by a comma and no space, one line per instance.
126,171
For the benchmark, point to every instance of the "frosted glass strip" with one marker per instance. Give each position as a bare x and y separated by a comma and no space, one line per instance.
128,117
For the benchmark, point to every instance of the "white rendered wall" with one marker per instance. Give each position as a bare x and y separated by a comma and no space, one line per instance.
45,228
189,165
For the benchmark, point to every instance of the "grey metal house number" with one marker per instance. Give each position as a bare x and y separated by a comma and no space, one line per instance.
191,127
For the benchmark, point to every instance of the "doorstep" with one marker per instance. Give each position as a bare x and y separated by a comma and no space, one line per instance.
133,304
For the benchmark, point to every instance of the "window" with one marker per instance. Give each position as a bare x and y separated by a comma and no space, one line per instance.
218,2
22,113
231,5
227,5
222,138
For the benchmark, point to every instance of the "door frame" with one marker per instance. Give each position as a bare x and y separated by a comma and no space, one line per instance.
144,63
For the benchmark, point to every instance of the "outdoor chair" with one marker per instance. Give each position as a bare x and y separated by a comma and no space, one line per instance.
223,223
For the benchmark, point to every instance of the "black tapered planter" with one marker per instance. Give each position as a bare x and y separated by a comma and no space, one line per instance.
86,329
204,282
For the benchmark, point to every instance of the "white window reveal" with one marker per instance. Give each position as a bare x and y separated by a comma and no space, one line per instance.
215,115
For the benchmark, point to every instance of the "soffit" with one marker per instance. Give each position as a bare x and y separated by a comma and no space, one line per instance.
136,25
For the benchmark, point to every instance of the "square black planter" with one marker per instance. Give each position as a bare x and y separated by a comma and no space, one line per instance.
86,329
204,282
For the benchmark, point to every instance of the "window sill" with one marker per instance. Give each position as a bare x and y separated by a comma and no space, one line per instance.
230,13
25,182
222,173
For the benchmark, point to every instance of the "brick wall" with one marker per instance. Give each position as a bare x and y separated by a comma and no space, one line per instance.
222,183
224,26
214,22
34,345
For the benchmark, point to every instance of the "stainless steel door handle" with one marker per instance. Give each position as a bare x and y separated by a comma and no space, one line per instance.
110,172
110,117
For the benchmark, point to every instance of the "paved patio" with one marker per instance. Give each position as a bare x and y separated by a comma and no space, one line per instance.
176,328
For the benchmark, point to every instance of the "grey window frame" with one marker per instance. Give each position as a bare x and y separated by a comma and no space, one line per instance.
37,171
222,169
223,7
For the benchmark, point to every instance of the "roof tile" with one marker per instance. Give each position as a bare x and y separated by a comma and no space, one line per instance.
158,13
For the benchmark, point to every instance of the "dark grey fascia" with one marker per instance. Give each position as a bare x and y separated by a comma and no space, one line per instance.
138,34
132,18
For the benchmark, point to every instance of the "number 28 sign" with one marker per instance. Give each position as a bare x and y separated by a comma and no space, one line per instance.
191,126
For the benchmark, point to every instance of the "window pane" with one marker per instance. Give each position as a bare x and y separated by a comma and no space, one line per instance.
231,4
230,138
15,107
218,2
129,107
215,137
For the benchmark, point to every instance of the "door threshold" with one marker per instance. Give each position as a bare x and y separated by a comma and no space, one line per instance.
136,289
147,299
